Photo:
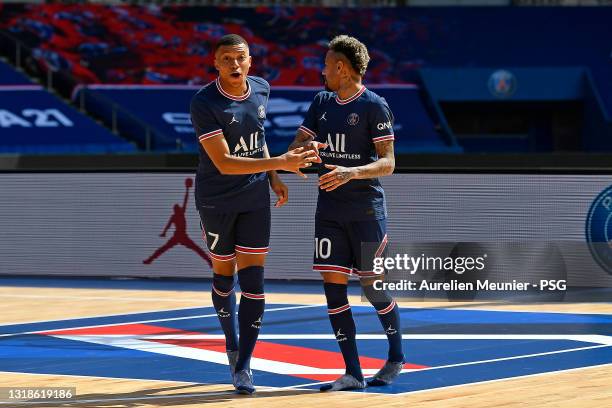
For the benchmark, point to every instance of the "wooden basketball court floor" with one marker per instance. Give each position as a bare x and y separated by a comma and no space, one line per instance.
25,303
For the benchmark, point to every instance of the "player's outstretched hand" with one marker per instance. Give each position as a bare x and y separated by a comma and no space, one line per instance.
296,159
335,178
315,146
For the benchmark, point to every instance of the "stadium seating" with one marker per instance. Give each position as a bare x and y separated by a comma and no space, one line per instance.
153,45
166,110
34,121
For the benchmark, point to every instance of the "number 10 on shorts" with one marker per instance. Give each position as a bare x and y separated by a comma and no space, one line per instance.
322,248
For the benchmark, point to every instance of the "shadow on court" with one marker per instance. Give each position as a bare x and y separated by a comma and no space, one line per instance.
161,397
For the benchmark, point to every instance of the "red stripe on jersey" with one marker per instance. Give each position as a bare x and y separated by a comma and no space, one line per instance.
222,257
211,134
352,98
383,138
232,97
248,250
331,268
381,247
307,131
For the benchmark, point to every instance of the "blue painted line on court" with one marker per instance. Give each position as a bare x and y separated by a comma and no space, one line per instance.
51,355
47,354
314,320
451,376
438,352
103,320
163,284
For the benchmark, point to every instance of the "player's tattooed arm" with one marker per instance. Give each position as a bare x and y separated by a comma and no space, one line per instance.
340,175
384,166
302,139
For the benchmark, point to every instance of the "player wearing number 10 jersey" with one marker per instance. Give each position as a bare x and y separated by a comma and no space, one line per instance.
352,130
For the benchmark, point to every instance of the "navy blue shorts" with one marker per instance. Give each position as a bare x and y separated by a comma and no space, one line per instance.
244,232
338,246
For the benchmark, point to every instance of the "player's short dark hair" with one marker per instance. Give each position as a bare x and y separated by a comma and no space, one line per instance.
229,40
354,51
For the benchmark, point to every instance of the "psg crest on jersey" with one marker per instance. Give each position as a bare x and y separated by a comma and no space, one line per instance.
261,112
352,119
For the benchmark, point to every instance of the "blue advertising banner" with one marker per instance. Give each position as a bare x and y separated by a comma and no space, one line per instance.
504,84
166,109
9,76
34,121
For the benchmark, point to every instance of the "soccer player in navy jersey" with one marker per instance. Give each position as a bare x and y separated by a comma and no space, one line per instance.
351,128
232,194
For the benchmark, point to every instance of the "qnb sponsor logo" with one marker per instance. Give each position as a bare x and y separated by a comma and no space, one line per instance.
249,146
384,125
30,118
181,122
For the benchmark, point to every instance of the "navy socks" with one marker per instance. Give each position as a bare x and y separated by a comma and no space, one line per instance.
342,322
224,300
250,313
388,314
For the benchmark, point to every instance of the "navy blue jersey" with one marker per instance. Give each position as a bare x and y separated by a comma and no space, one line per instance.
240,120
350,127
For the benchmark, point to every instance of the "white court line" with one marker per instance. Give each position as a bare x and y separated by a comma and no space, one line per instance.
477,308
104,377
136,299
127,379
149,321
104,315
501,379
143,398
488,361
210,356
456,385
586,338
148,344
121,314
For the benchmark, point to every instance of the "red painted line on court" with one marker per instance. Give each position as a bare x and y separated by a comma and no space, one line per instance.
306,356
124,329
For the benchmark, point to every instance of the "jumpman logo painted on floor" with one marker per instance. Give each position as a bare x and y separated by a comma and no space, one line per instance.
180,235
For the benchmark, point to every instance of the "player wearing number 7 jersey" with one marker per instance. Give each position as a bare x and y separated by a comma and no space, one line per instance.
232,194
352,130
